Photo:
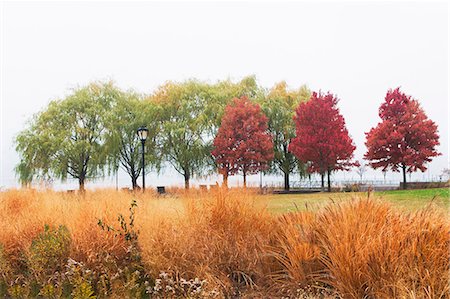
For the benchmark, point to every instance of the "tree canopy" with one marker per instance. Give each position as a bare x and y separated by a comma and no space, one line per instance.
191,113
279,106
322,138
129,112
243,142
199,127
67,138
404,139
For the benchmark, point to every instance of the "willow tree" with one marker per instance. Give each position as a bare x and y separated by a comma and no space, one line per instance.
222,94
128,113
279,106
184,126
67,138
191,112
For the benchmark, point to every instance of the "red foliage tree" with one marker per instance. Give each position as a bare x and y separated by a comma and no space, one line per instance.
321,136
404,139
242,142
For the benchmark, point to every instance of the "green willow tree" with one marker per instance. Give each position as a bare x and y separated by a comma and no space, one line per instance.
128,113
222,93
67,138
184,127
191,112
279,106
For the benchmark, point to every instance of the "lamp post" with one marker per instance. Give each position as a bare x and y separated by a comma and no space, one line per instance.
142,133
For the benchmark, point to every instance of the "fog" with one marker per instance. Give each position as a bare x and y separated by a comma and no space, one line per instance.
355,50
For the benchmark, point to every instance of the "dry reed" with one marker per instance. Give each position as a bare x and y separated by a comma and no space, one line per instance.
361,248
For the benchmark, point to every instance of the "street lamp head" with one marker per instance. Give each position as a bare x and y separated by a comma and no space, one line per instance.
142,132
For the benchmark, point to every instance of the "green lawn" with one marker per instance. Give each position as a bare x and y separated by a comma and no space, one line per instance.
407,200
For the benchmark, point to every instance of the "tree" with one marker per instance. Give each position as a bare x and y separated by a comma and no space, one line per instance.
184,127
404,139
279,105
128,113
191,113
67,138
222,93
242,142
321,136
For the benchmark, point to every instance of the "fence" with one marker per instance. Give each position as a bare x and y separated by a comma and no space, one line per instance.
361,185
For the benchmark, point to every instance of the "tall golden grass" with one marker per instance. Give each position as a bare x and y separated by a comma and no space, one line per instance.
360,248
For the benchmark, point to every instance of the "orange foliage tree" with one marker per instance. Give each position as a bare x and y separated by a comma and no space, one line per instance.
243,142
321,136
404,139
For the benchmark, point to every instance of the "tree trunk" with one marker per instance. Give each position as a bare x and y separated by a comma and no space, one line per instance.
81,184
134,182
404,175
286,181
322,176
186,181
329,179
225,180
286,167
245,179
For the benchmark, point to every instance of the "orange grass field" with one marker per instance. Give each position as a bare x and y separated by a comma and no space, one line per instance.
221,244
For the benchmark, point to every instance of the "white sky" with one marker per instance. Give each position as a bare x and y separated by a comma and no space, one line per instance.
355,50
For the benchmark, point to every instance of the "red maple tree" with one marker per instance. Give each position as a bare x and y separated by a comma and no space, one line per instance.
322,139
242,142
404,139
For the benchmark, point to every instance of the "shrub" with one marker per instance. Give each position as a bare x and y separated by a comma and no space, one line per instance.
130,272
4,272
49,252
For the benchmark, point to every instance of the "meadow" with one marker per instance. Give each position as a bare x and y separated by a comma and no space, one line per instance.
224,244
407,200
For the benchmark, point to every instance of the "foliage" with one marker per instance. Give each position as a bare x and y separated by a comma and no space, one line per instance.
191,113
67,137
243,142
83,291
321,136
5,271
279,106
49,252
404,139
184,126
222,93
128,113
133,275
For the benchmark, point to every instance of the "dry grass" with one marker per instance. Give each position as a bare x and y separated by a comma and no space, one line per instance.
371,250
352,249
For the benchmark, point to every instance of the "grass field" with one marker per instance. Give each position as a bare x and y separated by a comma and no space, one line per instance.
224,244
408,200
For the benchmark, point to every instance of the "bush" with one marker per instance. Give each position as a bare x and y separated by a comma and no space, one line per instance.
130,272
49,252
4,272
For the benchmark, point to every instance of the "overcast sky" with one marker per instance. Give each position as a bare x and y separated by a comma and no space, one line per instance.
355,50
